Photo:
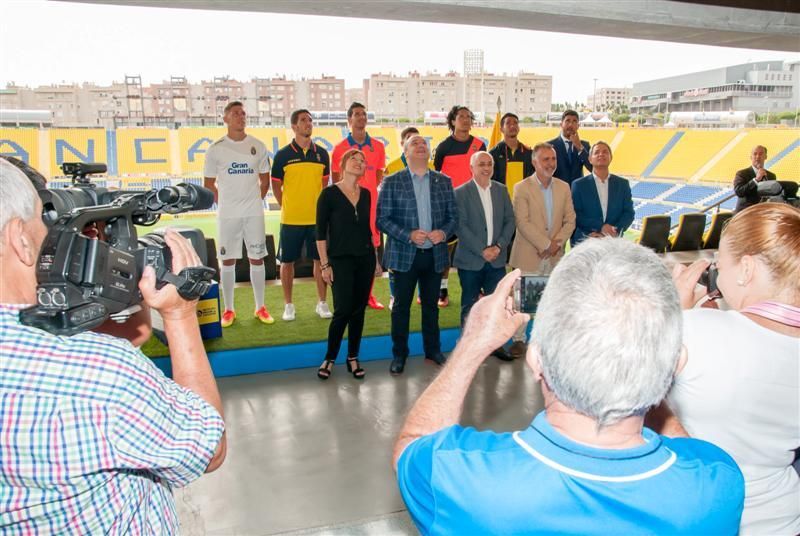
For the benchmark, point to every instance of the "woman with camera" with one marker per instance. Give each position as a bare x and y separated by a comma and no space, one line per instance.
347,257
740,388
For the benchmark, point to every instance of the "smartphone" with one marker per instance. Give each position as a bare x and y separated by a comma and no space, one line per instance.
528,291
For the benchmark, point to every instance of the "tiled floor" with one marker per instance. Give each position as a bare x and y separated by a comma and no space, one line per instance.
313,457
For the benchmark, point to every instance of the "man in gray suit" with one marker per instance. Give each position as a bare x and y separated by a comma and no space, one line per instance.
485,227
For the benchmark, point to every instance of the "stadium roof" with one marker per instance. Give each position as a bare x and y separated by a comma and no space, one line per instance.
754,24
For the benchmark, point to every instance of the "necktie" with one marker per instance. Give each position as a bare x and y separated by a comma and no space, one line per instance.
569,152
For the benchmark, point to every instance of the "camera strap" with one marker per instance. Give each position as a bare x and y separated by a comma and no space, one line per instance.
191,282
782,313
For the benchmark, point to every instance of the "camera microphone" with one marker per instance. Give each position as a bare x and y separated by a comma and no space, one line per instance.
187,196
81,169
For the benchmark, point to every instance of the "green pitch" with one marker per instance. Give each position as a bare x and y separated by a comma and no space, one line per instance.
247,332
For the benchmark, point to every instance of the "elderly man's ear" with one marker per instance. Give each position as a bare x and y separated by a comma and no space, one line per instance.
18,239
534,359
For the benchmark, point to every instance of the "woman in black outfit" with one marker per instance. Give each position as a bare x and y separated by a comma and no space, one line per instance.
347,257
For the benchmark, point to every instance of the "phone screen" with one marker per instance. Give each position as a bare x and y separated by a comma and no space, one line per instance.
528,291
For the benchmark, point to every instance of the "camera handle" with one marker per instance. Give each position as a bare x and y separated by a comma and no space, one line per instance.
191,282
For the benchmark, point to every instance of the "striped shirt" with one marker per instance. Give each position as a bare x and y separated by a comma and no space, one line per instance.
92,435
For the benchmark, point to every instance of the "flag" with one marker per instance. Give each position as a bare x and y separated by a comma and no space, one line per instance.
496,136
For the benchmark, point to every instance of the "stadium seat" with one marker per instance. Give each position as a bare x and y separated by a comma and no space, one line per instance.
718,221
655,232
689,236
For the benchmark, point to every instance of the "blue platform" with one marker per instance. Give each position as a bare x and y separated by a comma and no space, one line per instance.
311,354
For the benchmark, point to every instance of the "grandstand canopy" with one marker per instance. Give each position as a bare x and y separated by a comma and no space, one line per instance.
756,24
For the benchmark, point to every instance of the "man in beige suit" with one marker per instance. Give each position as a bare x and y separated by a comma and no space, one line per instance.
545,220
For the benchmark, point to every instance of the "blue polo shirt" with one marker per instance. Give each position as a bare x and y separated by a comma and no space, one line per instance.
536,481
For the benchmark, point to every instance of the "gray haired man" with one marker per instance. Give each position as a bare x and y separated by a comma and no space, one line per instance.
605,346
485,228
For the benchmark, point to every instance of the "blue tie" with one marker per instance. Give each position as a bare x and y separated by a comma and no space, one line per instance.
569,153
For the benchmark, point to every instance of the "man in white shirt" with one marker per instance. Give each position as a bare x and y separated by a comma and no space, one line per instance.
485,228
237,171
606,191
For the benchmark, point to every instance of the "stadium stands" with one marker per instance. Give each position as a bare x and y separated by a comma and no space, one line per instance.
692,194
738,157
637,149
650,190
684,164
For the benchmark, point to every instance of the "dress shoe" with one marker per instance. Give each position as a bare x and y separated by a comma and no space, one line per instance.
502,354
398,364
438,358
518,349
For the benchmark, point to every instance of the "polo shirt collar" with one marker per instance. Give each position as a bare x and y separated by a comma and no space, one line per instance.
298,149
351,141
550,447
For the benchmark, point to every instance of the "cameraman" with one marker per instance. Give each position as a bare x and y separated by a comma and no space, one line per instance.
93,435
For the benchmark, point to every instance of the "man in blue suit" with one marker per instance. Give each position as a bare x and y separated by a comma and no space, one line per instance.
602,201
417,212
572,154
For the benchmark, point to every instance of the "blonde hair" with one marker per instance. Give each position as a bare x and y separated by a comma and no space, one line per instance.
770,231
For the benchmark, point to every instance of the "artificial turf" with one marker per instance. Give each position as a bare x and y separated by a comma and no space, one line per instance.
247,332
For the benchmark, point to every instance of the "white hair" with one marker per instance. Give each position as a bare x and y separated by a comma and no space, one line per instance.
478,154
17,194
609,330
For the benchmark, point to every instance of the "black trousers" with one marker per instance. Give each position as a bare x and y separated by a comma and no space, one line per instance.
352,281
422,271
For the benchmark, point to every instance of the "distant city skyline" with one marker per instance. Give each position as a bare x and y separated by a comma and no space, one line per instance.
45,43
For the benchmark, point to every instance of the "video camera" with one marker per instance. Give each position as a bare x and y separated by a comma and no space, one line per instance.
91,261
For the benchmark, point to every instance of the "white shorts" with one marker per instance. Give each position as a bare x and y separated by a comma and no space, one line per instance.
233,230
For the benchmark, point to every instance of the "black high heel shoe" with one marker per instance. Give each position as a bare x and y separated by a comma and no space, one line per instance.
354,367
324,372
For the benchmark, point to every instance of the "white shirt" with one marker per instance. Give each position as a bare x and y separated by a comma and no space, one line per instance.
486,200
740,390
602,193
236,166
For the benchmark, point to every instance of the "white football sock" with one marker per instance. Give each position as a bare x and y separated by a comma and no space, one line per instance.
227,280
257,272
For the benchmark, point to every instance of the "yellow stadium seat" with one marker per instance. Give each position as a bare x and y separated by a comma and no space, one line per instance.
689,236
655,233
712,236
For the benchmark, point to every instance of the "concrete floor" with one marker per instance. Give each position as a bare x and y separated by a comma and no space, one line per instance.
313,457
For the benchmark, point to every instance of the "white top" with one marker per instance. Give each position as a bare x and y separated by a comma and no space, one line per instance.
602,193
486,200
740,390
236,166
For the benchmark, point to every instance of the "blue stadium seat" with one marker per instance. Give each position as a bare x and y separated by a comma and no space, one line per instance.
649,190
692,194
649,209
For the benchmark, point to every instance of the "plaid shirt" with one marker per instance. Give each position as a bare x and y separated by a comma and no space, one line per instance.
398,216
92,435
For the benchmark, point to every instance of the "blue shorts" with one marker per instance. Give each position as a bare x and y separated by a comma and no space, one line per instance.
292,239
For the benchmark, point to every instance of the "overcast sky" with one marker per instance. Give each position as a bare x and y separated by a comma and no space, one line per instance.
51,42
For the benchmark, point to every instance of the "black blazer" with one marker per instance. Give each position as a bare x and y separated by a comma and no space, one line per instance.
746,188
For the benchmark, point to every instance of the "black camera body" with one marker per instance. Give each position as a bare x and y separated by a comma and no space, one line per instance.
91,261
709,279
